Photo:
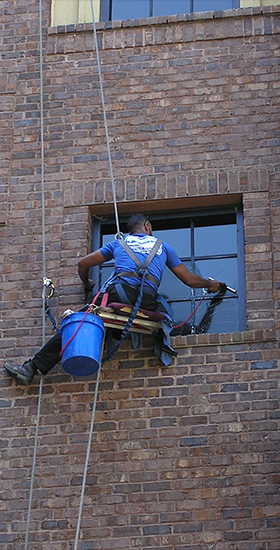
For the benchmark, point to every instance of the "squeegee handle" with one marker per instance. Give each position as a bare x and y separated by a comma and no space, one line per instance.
228,287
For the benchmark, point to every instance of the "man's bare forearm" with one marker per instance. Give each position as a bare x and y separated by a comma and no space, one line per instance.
194,281
84,265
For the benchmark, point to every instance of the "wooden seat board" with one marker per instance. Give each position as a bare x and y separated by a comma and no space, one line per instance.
118,320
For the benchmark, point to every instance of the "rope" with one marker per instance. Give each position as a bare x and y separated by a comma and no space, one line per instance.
105,120
44,273
33,463
117,236
44,268
87,461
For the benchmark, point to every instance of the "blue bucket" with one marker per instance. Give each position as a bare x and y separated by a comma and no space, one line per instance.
82,355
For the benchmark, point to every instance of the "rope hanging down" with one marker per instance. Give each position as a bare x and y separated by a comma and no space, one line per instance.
44,266
44,275
118,236
87,461
105,120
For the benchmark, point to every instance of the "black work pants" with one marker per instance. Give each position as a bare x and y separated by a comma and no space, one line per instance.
48,356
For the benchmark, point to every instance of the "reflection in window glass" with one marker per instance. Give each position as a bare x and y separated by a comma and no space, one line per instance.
165,7
130,9
172,287
209,5
107,239
220,317
108,267
133,9
181,311
219,239
179,239
106,270
224,270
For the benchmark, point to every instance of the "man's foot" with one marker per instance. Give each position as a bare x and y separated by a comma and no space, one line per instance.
24,374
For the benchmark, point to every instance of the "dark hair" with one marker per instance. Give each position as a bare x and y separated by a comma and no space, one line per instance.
136,222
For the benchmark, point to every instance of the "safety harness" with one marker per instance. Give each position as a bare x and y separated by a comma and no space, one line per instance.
142,267
142,273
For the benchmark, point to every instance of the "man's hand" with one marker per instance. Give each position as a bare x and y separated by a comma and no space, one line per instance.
89,285
214,286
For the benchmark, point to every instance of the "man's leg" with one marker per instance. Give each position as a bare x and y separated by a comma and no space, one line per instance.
48,356
44,361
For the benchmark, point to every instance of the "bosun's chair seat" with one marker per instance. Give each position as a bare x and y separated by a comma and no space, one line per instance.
116,315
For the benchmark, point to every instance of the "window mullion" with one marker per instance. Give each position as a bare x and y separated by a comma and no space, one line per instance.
241,270
193,270
192,246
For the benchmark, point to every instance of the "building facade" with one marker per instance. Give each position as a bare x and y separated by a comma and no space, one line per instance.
185,456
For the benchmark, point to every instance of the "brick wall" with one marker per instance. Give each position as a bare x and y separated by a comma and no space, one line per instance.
184,457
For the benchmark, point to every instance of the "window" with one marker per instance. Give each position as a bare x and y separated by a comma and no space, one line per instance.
126,9
209,243
66,12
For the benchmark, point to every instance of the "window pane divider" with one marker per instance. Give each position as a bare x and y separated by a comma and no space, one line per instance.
216,257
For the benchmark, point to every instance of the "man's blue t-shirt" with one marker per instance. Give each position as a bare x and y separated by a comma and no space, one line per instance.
141,244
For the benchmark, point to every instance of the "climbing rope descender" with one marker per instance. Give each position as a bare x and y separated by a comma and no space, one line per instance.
48,284
51,288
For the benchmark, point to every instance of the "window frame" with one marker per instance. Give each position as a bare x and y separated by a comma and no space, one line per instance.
187,214
106,8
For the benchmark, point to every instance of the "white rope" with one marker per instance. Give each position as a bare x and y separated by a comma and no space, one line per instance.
118,233
33,465
87,460
44,274
105,119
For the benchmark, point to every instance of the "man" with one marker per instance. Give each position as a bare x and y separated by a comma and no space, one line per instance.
123,287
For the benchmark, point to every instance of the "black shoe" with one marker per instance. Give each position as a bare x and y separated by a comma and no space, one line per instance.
24,374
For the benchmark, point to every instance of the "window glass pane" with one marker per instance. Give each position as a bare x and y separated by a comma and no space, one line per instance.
209,317
222,317
224,270
167,7
172,288
106,272
215,240
179,239
181,311
108,267
130,9
107,239
209,5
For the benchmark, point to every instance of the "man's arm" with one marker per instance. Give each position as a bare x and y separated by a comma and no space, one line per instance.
84,265
194,281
